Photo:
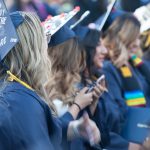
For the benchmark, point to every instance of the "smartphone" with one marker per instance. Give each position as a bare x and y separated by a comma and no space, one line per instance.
99,80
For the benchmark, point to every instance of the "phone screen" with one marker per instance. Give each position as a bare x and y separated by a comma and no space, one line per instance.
101,78
98,81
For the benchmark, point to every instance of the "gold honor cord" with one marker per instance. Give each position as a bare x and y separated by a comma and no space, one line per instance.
147,42
14,78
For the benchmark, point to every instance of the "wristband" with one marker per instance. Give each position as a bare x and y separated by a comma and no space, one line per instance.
77,105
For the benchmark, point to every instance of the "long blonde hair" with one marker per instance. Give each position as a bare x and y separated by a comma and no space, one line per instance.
28,60
123,31
66,65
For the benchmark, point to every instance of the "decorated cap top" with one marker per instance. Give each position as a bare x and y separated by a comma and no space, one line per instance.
53,24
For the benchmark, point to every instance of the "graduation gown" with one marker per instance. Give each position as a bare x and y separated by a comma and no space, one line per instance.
65,120
99,119
81,143
114,103
147,63
109,116
26,122
115,84
115,116
101,123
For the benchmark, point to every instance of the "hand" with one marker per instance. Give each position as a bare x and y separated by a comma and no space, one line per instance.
122,59
99,89
88,130
84,99
84,128
134,146
134,48
146,144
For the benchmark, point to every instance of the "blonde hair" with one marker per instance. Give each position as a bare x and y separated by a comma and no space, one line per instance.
123,31
66,65
28,60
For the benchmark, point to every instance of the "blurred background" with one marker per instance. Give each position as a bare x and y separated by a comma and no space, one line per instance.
53,7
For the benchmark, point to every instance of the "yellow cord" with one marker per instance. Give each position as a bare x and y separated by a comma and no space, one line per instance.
13,77
147,42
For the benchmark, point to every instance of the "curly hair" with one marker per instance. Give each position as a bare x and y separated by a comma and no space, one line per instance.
67,63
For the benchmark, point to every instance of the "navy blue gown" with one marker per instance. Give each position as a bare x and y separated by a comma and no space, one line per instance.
115,84
26,122
109,116
114,114
100,120
114,103
147,63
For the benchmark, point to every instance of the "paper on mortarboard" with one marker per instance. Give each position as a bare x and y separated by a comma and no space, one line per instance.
53,24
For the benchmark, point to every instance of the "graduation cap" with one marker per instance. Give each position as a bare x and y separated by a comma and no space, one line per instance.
137,125
53,24
17,18
81,32
143,15
8,35
103,23
100,23
84,15
64,34
58,30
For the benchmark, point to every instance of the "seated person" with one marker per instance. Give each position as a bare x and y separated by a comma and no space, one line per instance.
126,71
27,122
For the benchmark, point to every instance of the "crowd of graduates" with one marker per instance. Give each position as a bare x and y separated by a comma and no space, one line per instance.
75,89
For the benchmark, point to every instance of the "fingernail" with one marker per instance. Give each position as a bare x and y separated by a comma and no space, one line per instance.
106,90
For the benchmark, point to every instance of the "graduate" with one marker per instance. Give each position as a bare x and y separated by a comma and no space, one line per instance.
126,66
95,53
66,66
126,73
111,112
114,111
26,121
